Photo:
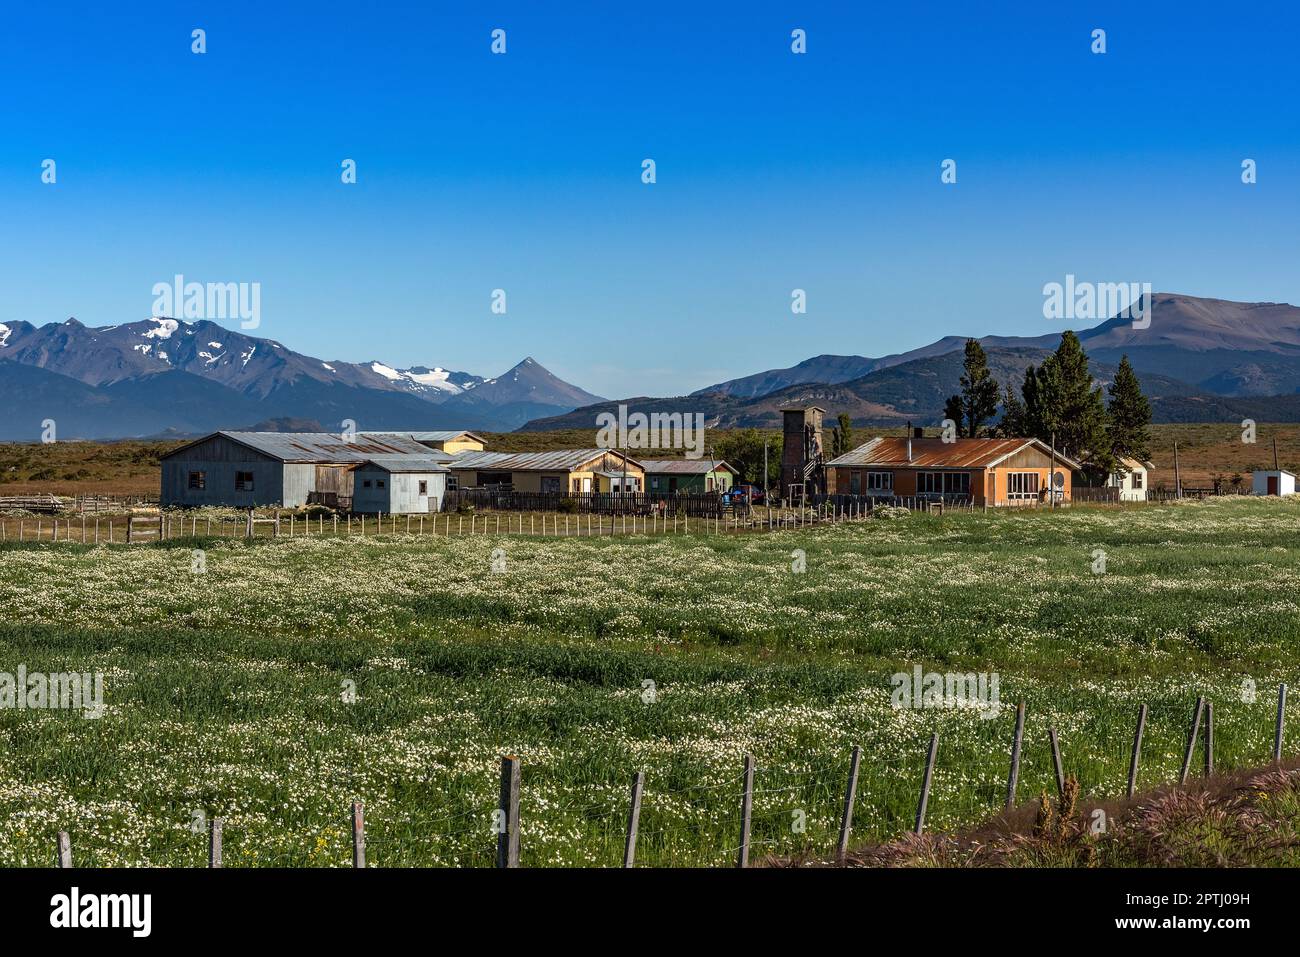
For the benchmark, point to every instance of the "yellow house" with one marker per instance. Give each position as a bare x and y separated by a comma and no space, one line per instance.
452,441
573,471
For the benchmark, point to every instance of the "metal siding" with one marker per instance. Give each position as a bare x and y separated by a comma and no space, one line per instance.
220,490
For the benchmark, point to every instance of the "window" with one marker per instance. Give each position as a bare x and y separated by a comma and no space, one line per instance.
929,483
243,481
453,483
552,484
366,483
379,483
654,483
1022,485
199,480
855,482
1137,480
880,481
956,483
424,487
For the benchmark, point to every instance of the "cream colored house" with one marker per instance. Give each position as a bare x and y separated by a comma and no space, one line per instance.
1132,478
573,471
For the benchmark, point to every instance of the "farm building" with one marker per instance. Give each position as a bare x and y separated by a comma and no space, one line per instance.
1272,482
449,440
1132,479
669,476
243,469
399,485
988,471
579,471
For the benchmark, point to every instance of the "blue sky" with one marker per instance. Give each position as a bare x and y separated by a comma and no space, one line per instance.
523,172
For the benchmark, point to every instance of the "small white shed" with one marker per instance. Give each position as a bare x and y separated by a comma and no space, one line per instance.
1272,482
399,485
1132,480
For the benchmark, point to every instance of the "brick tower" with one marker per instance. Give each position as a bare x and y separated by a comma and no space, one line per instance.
802,463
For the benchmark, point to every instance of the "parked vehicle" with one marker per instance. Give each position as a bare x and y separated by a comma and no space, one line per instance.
752,492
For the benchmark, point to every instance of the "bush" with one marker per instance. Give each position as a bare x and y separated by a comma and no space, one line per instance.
568,506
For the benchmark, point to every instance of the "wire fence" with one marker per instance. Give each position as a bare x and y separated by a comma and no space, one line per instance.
757,812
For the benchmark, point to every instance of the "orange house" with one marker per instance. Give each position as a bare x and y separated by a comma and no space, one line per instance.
984,471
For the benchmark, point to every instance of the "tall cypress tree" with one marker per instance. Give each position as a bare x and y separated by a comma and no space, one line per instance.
979,390
1014,420
952,410
1130,415
1069,406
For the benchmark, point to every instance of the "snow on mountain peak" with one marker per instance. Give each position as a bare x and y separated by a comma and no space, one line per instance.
4,334
163,330
386,371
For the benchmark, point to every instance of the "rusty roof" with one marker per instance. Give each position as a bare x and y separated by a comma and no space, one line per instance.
685,466
567,460
938,454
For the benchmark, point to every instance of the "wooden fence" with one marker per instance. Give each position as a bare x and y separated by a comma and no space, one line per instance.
507,829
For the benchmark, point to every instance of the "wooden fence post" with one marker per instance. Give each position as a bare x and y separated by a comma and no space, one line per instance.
130,528
1191,739
925,783
633,819
850,795
358,835
508,814
1137,750
1056,760
1014,777
1209,739
214,843
63,855
1281,715
248,528
746,812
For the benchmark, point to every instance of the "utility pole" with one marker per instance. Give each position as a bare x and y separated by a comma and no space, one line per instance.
1051,475
1178,474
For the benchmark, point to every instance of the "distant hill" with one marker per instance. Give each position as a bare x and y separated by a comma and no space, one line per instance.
1218,346
915,391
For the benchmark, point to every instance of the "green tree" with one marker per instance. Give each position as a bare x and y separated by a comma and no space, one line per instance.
1130,415
1014,419
952,410
743,450
844,431
979,390
1066,404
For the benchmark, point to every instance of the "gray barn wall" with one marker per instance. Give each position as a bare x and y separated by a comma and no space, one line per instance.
221,458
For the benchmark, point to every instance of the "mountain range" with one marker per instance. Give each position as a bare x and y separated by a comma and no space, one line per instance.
1200,360
167,376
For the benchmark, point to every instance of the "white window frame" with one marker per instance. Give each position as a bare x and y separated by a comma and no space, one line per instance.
1023,493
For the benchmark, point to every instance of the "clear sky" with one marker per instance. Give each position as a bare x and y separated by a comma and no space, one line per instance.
522,172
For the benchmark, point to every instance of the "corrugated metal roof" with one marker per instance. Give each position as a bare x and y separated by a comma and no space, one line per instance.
565,460
324,447
938,454
442,435
684,466
405,463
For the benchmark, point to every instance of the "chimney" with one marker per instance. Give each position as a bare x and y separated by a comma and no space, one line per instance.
909,441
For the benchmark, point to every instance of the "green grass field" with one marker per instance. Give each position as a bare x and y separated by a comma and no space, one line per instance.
227,690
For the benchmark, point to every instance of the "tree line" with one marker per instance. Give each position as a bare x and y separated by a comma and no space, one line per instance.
1057,402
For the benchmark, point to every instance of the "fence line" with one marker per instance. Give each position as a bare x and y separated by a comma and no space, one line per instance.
508,829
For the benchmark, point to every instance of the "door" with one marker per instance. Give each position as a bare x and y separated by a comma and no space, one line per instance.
1272,485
